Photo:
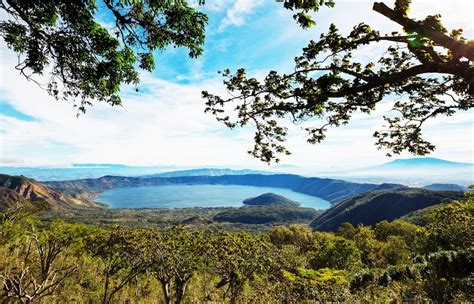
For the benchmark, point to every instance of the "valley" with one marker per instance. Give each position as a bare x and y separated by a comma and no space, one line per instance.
229,202
332,190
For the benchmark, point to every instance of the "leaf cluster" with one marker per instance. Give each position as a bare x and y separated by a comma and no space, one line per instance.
87,58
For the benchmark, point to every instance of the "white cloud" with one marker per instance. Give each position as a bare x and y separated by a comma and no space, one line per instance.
236,13
216,5
165,125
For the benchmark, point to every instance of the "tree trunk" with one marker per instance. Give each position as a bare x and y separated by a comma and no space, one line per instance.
234,292
180,290
165,286
106,288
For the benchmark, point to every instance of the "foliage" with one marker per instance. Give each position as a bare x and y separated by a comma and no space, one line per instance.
317,285
395,251
37,265
400,228
410,234
177,255
88,61
336,253
448,272
346,230
295,235
236,258
303,8
368,246
426,63
453,226
122,254
58,262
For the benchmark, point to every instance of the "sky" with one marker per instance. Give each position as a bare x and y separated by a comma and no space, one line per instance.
164,122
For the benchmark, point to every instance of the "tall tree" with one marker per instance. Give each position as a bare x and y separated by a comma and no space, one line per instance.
427,65
90,48
123,254
236,258
39,262
178,255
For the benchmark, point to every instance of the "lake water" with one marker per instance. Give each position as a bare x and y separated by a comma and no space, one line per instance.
182,196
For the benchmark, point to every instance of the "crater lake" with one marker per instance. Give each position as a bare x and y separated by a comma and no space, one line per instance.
185,196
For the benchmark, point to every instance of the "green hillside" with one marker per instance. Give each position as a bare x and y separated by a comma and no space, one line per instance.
265,214
374,206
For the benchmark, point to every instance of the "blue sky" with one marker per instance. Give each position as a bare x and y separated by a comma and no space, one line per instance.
9,110
164,123
251,35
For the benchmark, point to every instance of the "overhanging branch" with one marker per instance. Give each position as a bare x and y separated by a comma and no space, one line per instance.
457,47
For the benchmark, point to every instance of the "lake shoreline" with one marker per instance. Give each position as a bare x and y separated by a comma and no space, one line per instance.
196,195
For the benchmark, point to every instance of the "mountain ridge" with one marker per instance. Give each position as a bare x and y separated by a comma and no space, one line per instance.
208,172
422,162
374,206
444,187
20,190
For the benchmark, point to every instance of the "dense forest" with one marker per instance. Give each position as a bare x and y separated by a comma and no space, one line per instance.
57,262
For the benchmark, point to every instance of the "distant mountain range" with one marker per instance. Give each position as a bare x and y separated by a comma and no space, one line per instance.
422,162
208,172
83,171
412,171
114,166
78,192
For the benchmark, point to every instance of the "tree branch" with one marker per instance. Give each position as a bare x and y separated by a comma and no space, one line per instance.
457,47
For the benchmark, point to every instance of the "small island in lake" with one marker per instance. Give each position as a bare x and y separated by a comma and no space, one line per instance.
267,208
269,199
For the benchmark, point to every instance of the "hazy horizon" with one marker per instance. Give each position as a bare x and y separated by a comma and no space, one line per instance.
416,172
